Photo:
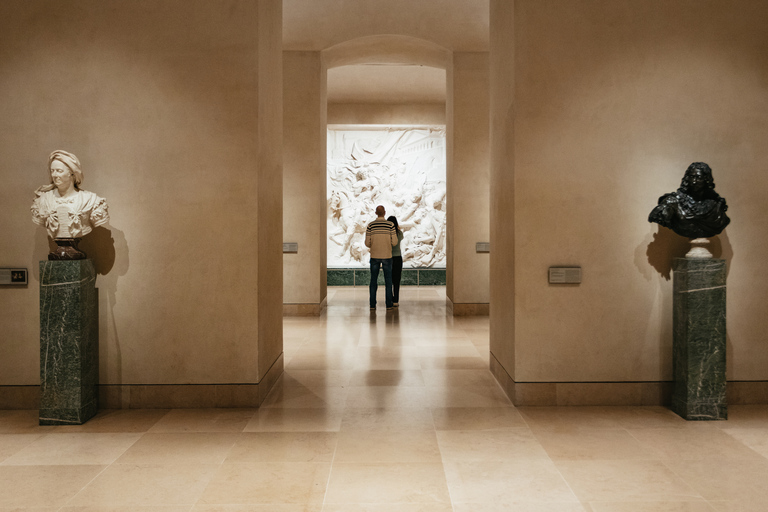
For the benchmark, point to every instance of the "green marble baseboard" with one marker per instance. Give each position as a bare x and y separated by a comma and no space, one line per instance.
362,277
69,344
699,339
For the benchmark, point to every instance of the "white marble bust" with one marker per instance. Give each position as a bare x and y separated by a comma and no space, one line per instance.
62,207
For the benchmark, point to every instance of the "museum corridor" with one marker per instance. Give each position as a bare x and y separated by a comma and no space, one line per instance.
387,412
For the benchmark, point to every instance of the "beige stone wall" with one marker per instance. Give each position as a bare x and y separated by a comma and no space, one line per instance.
613,101
468,180
174,110
305,205
385,113
502,185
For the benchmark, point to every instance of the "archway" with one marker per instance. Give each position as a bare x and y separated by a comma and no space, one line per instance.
386,103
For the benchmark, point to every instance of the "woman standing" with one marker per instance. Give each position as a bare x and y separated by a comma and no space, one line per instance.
397,263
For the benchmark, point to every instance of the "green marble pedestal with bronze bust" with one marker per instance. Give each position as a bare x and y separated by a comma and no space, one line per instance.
69,358
698,348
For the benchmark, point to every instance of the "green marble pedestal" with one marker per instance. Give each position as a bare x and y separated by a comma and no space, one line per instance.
69,358
698,347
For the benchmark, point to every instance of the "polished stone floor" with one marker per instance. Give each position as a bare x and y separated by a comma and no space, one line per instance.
387,412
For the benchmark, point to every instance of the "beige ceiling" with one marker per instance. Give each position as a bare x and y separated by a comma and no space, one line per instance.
386,84
314,25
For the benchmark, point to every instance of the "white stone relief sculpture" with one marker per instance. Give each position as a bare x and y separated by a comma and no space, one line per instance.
402,168
63,209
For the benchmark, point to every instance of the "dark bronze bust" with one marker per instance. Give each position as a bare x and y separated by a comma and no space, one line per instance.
695,210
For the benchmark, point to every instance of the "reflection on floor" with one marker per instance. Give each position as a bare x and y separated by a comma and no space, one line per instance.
390,411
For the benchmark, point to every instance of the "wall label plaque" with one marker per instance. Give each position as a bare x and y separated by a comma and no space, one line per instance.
564,275
290,247
16,276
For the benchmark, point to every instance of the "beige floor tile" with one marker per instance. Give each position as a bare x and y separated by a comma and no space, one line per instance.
387,483
549,418
302,397
519,507
625,480
271,482
43,486
386,351
516,481
180,448
477,418
502,445
296,420
12,443
396,446
318,379
388,507
453,363
22,422
272,507
459,348
595,444
695,443
146,485
387,397
30,509
127,508
725,479
467,396
647,417
302,361
375,377
118,421
383,419
459,378
739,506
654,506
367,363
754,438
204,420
283,447
384,340
745,416
73,449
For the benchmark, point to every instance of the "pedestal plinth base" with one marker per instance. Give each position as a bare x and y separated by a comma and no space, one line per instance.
69,362
698,347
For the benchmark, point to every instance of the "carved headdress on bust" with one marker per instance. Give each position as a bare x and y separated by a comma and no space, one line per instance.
66,211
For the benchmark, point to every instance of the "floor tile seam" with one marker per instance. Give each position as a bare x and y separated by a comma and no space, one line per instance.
562,477
754,453
330,470
86,485
663,462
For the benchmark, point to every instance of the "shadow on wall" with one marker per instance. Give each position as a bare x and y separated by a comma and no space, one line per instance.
668,245
109,251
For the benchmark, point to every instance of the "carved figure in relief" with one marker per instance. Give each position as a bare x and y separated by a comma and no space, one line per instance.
695,210
365,171
65,210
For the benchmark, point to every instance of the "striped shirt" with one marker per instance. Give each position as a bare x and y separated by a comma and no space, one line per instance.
380,237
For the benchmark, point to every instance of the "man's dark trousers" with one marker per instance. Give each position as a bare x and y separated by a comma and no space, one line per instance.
386,265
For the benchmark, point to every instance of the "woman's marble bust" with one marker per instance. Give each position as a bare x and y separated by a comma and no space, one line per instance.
64,209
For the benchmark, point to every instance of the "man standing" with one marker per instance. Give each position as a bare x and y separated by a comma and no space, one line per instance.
380,237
